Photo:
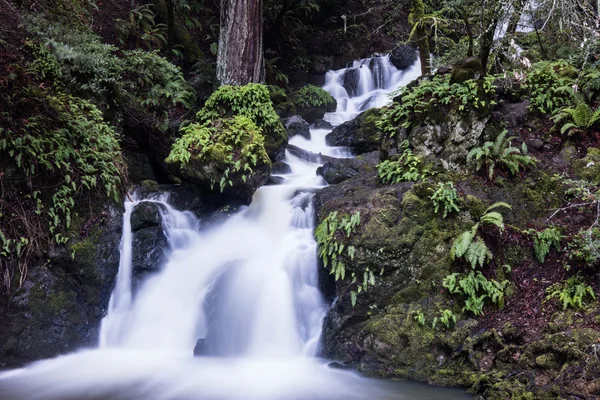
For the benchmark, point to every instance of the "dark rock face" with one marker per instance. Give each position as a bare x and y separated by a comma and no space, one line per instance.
342,169
149,244
296,125
360,134
403,56
281,168
350,81
61,303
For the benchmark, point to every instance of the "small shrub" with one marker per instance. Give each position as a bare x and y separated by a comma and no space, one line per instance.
415,102
571,293
501,153
551,86
251,101
445,195
585,246
311,96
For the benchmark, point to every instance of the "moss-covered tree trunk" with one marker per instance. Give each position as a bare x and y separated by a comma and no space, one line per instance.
417,15
240,59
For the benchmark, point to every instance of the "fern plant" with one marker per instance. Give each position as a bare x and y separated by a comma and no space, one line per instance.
543,241
571,292
501,152
444,196
406,168
470,245
577,120
477,289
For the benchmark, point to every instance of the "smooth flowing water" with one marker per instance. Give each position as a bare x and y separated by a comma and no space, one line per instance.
247,289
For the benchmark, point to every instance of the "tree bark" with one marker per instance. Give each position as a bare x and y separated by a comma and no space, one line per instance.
418,13
240,59
170,27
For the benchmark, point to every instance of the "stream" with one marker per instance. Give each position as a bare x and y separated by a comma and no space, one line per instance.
244,294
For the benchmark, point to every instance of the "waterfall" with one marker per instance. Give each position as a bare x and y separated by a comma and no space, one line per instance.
366,84
248,289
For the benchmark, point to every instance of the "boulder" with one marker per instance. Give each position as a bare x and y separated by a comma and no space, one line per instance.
361,134
281,168
449,142
149,243
322,124
308,156
350,81
468,68
339,170
296,125
403,56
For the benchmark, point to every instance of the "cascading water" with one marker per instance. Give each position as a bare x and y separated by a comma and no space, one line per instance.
247,289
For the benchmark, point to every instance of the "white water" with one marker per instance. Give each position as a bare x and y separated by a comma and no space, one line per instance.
248,288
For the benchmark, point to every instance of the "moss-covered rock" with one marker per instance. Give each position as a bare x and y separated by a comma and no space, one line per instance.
469,68
252,101
588,167
226,155
361,134
311,102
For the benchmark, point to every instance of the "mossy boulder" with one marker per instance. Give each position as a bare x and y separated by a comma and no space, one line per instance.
361,134
339,170
468,68
252,101
311,102
226,155
588,167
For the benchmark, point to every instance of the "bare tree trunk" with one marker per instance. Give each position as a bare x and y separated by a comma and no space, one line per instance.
170,27
240,59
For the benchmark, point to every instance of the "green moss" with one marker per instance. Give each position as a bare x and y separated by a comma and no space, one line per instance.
253,102
588,167
220,152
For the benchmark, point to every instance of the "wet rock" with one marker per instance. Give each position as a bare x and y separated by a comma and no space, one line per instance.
149,242
321,124
145,215
339,170
320,64
281,168
275,180
338,365
296,125
403,56
309,156
139,167
350,81
361,134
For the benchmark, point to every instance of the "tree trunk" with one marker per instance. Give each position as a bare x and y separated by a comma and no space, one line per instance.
418,12
170,27
240,59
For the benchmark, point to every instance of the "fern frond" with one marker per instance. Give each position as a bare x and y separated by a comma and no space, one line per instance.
461,244
493,218
498,204
477,254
